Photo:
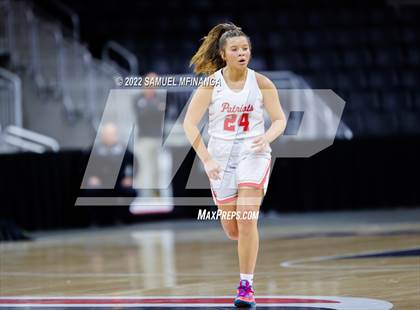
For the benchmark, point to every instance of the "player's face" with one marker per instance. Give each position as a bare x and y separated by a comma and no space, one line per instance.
237,52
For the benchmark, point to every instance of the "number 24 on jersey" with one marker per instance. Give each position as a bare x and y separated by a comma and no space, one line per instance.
230,122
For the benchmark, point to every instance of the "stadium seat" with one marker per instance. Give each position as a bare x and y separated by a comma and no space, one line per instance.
363,101
356,57
393,101
415,100
380,124
382,78
390,56
412,57
409,123
409,78
258,63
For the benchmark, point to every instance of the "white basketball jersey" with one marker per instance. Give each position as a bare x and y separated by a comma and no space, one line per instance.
234,115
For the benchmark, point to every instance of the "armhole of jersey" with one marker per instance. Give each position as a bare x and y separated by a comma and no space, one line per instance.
216,76
258,87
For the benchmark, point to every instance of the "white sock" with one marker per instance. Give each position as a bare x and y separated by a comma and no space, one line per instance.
248,277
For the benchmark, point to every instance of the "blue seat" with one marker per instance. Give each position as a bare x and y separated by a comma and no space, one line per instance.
415,100
408,14
310,39
380,124
354,121
160,65
344,81
286,40
351,16
258,63
409,78
350,38
381,16
322,60
408,122
356,57
276,40
412,57
363,101
289,61
387,56
377,35
393,101
382,79
350,79
410,35
319,79
315,61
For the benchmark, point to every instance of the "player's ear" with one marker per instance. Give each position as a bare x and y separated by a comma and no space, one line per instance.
222,54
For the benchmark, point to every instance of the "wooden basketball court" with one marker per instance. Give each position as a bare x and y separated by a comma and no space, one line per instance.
303,257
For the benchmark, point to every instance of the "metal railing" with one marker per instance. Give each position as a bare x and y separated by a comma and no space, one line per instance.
74,18
60,67
28,140
114,47
11,99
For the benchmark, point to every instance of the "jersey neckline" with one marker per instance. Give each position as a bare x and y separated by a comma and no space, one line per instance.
245,84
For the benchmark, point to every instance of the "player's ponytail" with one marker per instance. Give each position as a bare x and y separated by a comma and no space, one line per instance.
207,59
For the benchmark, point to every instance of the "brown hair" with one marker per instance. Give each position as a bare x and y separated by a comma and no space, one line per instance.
207,59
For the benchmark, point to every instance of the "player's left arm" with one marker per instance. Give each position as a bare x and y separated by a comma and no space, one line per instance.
273,107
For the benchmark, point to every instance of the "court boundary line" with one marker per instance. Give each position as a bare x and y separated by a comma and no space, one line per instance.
339,303
303,263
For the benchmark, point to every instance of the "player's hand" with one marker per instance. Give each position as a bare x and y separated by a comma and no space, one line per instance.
259,144
212,169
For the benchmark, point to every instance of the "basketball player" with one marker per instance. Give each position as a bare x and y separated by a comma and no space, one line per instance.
238,156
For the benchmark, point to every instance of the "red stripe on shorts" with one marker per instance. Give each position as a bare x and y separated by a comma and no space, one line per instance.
257,185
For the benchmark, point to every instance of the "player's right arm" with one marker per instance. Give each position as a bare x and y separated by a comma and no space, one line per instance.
195,112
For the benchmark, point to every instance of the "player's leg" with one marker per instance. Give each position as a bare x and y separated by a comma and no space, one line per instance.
252,175
230,226
248,203
224,190
225,200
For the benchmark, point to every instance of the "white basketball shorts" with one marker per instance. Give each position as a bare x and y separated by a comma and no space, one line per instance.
241,166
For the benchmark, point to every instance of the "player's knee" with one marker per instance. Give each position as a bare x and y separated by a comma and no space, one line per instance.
246,226
233,234
231,229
